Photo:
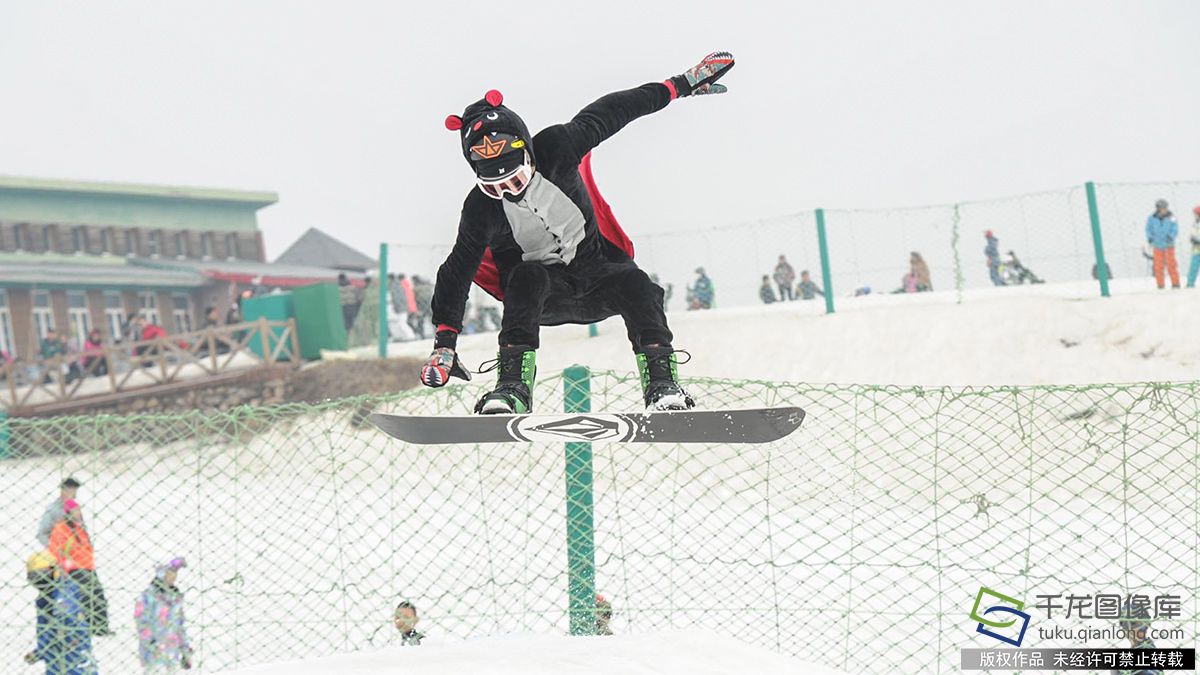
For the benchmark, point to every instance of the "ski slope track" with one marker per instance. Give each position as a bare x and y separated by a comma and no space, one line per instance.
671,653
1048,334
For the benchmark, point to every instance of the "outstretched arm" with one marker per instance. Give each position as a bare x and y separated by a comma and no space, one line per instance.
609,114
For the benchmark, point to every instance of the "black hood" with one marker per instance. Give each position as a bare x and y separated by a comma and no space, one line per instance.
488,117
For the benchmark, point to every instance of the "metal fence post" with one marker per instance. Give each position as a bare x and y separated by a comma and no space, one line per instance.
581,534
1094,214
383,299
4,452
826,274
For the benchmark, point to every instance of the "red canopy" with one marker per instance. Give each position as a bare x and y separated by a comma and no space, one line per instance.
272,281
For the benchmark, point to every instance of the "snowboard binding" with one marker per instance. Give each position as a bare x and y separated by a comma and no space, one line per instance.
659,371
516,369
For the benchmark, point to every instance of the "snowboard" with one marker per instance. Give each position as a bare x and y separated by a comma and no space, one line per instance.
752,425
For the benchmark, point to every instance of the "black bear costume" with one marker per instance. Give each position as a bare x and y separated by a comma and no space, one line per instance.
536,234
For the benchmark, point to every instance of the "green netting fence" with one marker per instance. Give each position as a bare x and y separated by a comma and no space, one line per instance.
1049,232
860,541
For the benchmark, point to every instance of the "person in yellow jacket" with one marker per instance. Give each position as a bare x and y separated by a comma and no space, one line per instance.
64,643
40,571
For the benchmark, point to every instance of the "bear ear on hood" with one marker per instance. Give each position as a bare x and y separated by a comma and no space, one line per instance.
454,122
494,98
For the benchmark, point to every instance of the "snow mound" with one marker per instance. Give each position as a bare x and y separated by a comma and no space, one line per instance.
669,653
1047,334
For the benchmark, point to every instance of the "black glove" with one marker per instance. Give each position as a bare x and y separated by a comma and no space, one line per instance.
702,77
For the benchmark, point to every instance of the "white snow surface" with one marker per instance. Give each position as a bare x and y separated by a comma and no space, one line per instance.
996,336
301,536
668,653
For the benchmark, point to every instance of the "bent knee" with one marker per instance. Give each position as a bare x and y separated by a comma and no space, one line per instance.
527,276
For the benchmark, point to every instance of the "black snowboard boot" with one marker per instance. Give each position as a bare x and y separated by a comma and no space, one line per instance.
659,370
516,368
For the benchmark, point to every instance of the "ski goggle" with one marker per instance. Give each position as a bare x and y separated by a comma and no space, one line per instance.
510,181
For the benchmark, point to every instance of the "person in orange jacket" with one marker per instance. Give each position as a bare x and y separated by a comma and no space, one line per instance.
71,546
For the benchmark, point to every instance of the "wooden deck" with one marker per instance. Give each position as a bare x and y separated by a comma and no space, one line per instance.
147,366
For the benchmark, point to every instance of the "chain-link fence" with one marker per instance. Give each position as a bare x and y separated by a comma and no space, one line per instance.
861,540
1039,238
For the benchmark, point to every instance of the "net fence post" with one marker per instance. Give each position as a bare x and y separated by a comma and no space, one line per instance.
581,533
1097,241
826,274
383,299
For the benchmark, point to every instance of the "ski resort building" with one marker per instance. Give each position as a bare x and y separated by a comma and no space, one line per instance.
76,255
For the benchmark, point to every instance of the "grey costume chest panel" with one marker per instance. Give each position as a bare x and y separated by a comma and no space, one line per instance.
546,224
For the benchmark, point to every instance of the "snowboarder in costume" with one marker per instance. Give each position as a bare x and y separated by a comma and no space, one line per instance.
537,236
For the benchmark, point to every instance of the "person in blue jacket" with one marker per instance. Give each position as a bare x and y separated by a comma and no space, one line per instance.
702,292
1161,230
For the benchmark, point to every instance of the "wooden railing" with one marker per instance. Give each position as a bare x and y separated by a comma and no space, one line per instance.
143,364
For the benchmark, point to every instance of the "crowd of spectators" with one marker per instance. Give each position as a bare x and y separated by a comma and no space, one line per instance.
63,358
410,310
1162,230
70,607
783,280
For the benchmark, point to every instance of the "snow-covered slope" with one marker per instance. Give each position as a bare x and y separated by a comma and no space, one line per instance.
673,653
1057,333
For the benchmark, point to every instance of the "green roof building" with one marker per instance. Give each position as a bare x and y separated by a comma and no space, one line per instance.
79,255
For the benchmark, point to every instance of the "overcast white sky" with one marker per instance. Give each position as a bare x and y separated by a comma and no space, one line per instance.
338,107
